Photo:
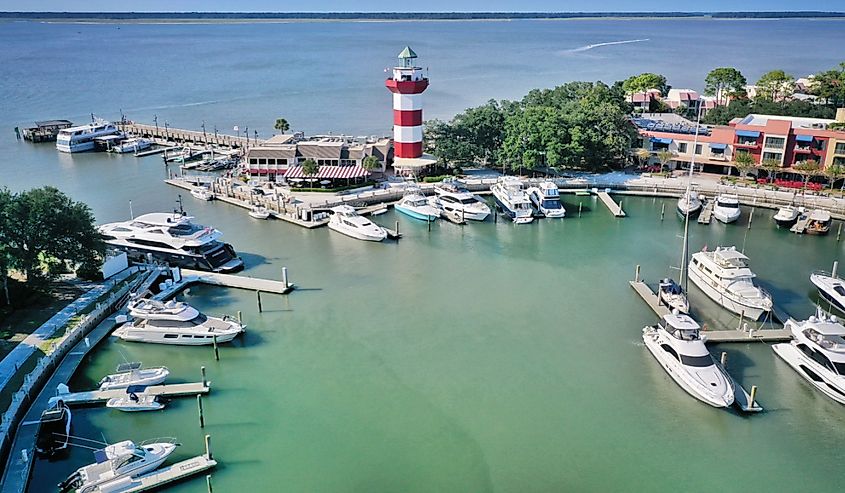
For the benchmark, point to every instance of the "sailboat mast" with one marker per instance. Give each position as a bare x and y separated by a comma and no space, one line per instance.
684,280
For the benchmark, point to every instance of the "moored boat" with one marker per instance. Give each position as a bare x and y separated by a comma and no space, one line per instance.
512,199
726,208
818,222
671,294
54,430
116,461
414,204
175,323
786,216
831,288
724,276
689,205
131,145
259,212
133,373
202,193
82,138
347,221
135,401
452,198
546,199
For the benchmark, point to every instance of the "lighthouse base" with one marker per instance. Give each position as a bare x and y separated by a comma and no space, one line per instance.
413,166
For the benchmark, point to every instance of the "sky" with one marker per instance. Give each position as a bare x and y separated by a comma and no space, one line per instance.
425,6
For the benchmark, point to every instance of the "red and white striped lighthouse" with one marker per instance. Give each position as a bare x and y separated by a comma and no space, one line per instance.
407,86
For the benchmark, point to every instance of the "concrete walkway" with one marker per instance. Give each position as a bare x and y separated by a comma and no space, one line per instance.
22,352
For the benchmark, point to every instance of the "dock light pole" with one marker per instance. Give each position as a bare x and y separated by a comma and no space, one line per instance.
215,135
166,132
204,136
246,135
155,120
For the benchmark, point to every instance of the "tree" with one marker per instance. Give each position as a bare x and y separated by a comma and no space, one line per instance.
834,172
43,229
643,155
310,167
830,86
775,85
807,169
644,82
772,166
665,157
281,125
743,162
371,163
724,81
475,135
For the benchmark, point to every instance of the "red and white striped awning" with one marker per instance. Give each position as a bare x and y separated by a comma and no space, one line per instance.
328,172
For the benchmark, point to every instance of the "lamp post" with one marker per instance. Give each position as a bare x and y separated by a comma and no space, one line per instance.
155,120
204,136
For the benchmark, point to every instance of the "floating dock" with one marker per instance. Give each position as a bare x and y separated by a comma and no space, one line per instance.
153,152
706,213
612,206
801,225
101,396
162,476
650,298
240,282
742,399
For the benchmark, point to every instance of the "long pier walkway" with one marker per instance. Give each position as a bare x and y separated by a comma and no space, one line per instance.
100,396
163,134
612,206
706,213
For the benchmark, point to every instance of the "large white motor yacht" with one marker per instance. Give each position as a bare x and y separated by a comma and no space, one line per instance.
345,220
172,238
676,342
512,199
133,373
81,138
831,288
723,274
726,208
460,202
689,204
546,199
132,145
117,461
175,323
817,353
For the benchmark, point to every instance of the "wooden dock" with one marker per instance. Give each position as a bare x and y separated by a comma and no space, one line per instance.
762,335
101,396
163,134
611,205
160,477
650,298
801,225
240,282
153,152
706,213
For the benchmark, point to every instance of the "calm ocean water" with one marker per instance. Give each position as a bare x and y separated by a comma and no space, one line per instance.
481,358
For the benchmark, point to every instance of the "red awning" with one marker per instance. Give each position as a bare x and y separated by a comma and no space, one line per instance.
329,172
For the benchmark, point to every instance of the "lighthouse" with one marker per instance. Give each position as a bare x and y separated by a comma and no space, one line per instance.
407,85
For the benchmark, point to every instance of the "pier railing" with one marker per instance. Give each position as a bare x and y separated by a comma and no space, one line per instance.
178,135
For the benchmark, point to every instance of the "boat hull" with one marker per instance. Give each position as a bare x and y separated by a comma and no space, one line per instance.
422,216
726,216
735,306
130,333
355,234
516,217
812,372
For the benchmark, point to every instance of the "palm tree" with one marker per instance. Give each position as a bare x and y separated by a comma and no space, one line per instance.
743,162
665,156
642,155
281,125
371,163
310,167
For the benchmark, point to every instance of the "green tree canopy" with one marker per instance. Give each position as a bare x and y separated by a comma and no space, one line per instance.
474,136
830,86
724,82
310,167
646,81
371,163
281,125
775,85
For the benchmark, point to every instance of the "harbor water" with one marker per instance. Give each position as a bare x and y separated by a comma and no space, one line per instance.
485,357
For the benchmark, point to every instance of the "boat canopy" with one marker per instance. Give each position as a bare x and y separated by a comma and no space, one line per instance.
748,133
820,215
730,253
680,322
827,327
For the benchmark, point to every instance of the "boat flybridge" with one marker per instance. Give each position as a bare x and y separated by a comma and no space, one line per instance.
133,373
175,323
689,204
723,274
726,208
172,238
830,287
345,220
54,430
460,202
513,200
117,461
817,353
676,342
546,199
81,138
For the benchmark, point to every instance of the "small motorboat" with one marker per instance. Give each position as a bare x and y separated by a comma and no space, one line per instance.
129,374
831,288
672,295
54,430
202,193
689,203
819,222
726,208
116,461
414,204
787,216
135,400
132,145
259,212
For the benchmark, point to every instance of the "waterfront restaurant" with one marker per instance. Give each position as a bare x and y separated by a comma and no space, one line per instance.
339,156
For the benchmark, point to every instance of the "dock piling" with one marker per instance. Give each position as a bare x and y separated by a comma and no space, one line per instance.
741,319
204,381
258,295
397,228
216,354
199,409
724,359
662,210
239,317
835,268
208,483
579,208
285,276
637,274
839,232
750,218
753,395
208,453
429,225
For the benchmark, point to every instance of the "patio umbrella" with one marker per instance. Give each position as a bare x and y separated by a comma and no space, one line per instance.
296,180
325,182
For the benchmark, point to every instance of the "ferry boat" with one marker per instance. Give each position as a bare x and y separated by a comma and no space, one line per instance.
175,323
116,461
54,430
724,276
546,199
726,208
172,238
819,222
452,198
414,204
831,288
81,138
677,344
345,220
786,216
817,353
132,145
513,200
689,204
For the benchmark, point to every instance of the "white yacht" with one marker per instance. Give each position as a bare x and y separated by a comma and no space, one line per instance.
723,274
672,295
831,288
818,222
175,323
676,343
345,220
172,238
726,208
546,199
133,373
786,216
81,138
202,193
414,204
512,199
135,401
117,461
132,145
451,198
689,204
259,212
54,430
817,353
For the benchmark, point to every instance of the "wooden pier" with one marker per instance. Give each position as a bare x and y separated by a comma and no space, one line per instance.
650,298
101,396
162,476
706,213
166,134
152,152
801,225
612,206
240,282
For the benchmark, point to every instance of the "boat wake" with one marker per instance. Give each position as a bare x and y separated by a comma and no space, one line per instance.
599,45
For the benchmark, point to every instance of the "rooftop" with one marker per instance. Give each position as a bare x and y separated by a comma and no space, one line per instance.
797,122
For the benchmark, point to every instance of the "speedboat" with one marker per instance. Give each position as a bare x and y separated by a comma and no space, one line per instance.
723,274
676,342
175,323
135,400
82,138
672,295
132,145
786,216
117,461
414,204
546,199
451,198
689,204
817,353
726,208
512,199
174,239
819,222
259,212
202,193
54,430
831,288
345,220
133,373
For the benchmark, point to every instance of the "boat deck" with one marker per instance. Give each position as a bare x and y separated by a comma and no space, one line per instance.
612,206
762,335
800,227
706,213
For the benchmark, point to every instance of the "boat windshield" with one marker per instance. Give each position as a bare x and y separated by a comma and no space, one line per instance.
468,201
839,290
551,204
728,205
184,229
697,361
